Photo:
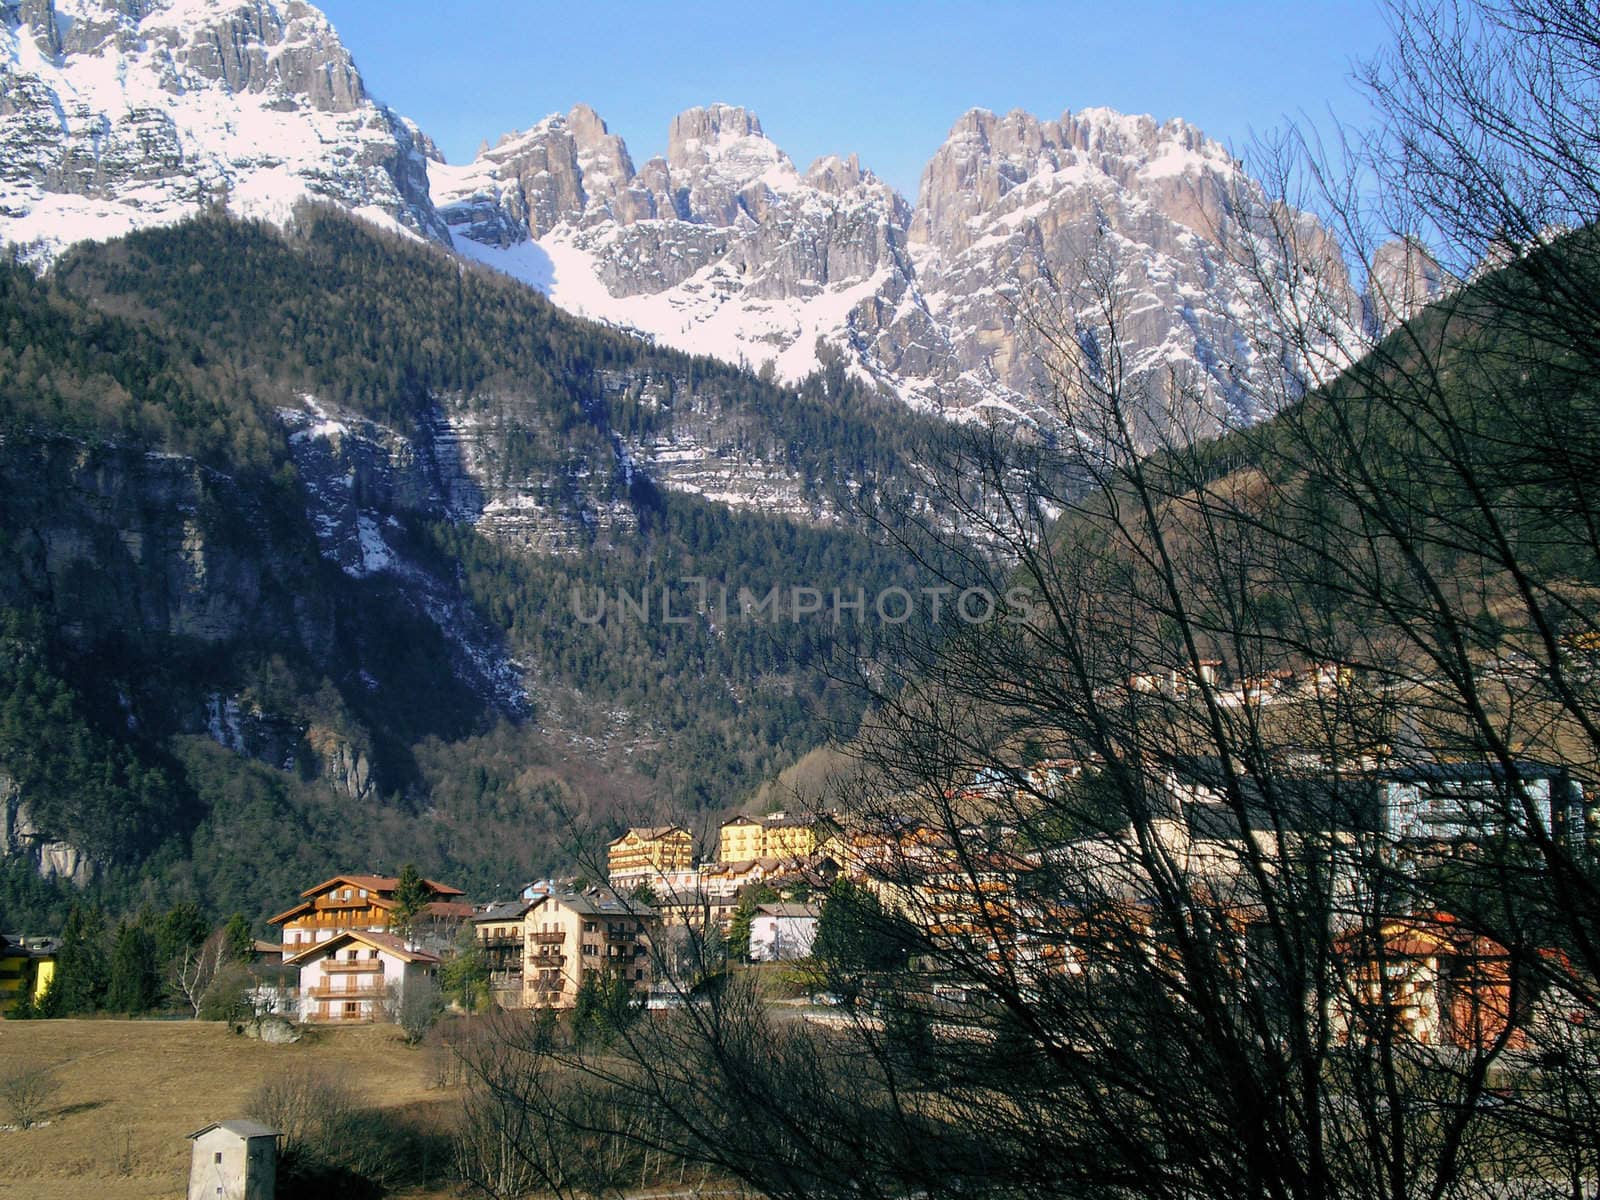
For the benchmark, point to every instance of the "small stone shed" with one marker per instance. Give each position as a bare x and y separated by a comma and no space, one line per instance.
234,1160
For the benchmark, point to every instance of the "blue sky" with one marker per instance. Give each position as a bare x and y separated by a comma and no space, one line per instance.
885,80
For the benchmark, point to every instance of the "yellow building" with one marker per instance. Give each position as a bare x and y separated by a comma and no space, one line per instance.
650,852
740,840
774,836
27,967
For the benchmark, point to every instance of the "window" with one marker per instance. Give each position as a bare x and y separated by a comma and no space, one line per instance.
217,1158
362,892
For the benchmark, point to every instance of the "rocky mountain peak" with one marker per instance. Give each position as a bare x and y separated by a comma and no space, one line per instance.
117,114
588,127
701,135
714,155
836,175
1402,279
985,158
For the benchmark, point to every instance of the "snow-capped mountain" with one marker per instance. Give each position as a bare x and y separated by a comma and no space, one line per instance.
119,114
722,247
725,248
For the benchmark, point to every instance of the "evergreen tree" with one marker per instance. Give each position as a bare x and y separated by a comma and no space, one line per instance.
604,1005
857,934
411,896
744,914
134,985
238,940
465,978
82,971
643,894
181,928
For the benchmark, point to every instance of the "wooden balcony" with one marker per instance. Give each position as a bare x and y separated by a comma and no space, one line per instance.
329,992
548,939
363,966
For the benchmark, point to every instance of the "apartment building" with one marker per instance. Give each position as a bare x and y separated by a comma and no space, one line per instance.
567,936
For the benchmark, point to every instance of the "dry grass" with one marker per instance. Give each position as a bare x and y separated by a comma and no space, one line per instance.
131,1090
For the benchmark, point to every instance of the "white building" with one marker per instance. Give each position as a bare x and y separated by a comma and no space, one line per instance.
233,1160
781,932
357,974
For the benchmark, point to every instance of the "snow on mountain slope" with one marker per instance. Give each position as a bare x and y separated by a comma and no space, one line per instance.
116,114
119,114
722,247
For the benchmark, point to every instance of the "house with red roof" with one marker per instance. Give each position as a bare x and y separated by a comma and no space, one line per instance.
1429,980
365,903
357,975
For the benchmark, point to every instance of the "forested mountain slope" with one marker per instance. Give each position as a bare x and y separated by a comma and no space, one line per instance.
293,523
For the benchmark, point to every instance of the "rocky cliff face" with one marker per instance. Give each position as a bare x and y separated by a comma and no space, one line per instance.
1402,279
146,550
723,247
20,838
118,114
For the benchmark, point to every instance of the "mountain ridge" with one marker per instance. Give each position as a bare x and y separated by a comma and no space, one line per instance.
117,115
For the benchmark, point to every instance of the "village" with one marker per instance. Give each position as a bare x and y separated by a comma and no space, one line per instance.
1029,877
355,947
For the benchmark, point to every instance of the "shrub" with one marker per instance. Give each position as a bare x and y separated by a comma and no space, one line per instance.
25,1091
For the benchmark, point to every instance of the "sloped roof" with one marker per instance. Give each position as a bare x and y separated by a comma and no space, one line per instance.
649,833
379,941
598,906
1295,802
286,914
379,883
240,1127
789,911
504,910
1428,935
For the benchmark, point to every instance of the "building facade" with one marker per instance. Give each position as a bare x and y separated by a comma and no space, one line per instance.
498,929
776,835
1429,981
646,855
27,967
357,976
233,1160
570,935
361,902
782,932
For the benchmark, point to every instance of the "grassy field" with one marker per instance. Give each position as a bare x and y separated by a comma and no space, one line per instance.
132,1090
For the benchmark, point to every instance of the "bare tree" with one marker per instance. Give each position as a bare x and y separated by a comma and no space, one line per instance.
194,971
415,1007
1166,915
26,1089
